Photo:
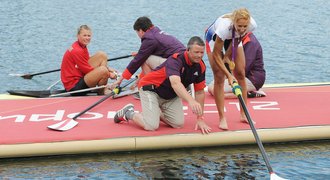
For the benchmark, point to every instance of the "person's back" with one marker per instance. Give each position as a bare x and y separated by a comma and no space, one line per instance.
254,64
164,44
156,47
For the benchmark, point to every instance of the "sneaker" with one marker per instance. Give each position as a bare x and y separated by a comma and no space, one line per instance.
253,94
120,115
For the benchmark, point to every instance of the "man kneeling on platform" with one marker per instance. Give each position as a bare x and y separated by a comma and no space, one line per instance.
162,91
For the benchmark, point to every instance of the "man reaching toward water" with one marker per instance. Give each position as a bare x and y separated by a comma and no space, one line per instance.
162,91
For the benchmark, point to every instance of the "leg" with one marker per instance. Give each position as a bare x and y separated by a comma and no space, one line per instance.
219,78
150,117
227,90
98,59
173,112
99,76
210,88
239,73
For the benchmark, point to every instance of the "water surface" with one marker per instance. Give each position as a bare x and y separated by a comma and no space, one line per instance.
295,38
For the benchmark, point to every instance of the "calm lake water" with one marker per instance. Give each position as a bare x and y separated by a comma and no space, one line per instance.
295,38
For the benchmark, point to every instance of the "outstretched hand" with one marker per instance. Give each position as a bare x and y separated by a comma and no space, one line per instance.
200,124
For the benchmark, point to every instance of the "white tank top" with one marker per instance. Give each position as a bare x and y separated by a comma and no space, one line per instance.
223,27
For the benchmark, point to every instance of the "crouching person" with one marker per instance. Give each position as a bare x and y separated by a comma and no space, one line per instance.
162,91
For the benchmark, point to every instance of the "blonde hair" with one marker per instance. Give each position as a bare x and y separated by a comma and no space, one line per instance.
83,27
238,14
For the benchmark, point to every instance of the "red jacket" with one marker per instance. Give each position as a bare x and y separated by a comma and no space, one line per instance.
74,65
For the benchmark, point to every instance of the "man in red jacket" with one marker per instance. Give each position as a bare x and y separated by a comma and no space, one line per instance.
163,89
79,70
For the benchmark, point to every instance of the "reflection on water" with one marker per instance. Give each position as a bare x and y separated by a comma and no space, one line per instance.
234,162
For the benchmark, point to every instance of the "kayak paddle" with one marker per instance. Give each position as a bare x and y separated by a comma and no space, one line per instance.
30,76
238,92
70,123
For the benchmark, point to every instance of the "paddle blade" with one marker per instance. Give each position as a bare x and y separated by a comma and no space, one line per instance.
273,176
64,125
25,76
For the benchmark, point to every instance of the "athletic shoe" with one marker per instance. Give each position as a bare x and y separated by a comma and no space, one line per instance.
120,115
253,94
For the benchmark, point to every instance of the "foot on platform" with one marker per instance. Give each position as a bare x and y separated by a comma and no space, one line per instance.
244,120
223,124
121,115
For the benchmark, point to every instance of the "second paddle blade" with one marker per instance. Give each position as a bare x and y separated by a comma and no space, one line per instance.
64,125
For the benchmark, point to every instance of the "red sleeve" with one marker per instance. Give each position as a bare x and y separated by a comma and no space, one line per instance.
126,74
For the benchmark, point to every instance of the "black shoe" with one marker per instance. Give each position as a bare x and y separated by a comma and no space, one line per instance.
253,94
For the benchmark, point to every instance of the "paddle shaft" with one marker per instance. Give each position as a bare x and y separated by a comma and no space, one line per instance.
29,76
256,136
254,131
77,91
104,98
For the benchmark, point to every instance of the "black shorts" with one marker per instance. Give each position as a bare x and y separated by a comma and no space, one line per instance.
81,84
226,44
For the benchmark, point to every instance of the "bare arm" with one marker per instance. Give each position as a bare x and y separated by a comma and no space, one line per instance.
219,58
182,92
196,105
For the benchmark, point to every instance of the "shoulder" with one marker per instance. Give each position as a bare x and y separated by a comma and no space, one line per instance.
175,60
177,57
151,32
253,40
75,48
223,27
202,66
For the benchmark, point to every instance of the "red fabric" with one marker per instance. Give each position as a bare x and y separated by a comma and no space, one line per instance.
208,48
281,108
74,65
246,38
156,78
199,86
126,74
